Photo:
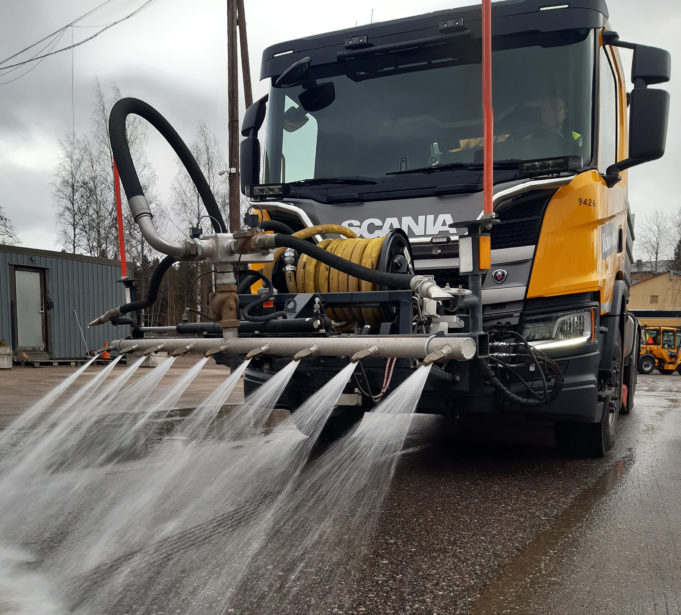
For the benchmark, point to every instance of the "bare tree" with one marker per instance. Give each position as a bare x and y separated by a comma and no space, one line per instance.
66,194
99,219
84,187
654,241
187,202
136,248
7,234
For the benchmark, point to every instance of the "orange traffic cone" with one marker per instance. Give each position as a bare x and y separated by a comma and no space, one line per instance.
105,354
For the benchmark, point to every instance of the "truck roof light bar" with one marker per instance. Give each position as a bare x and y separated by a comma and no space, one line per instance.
551,165
267,192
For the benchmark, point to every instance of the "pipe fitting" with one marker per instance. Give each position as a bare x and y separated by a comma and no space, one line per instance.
180,351
305,352
365,353
265,242
186,250
225,306
246,241
425,286
225,275
152,350
256,352
112,314
438,355
218,350
139,206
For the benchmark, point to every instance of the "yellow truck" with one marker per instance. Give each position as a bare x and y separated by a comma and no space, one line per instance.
364,170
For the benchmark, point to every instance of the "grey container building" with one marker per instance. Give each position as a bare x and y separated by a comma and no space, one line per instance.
45,295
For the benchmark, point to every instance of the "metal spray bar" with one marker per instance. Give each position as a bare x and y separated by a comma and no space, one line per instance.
403,347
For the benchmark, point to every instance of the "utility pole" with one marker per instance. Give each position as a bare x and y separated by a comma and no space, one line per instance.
245,64
233,118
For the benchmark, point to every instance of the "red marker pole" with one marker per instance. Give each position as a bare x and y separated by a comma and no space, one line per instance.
121,236
487,109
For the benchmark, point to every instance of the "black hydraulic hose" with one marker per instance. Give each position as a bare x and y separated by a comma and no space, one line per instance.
154,285
248,280
136,333
509,396
288,326
276,226
246,312
126,167
392,280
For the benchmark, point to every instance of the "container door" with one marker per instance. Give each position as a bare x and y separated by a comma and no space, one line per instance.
30,309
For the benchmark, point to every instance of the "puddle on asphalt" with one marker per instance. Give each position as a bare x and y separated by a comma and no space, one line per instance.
506,593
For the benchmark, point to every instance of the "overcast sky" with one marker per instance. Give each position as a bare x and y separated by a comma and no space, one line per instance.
173,55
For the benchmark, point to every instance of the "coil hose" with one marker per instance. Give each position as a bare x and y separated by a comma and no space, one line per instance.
543,364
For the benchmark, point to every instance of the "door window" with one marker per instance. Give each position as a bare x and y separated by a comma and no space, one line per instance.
29,308
608,118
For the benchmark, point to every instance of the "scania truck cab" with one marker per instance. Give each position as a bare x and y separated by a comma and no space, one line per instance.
379,129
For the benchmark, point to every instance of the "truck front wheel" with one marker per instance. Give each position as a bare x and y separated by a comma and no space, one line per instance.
587,440
596,439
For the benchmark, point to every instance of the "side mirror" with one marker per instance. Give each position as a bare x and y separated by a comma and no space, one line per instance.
249,148
249,155
648,124
254,117
648,108
651,65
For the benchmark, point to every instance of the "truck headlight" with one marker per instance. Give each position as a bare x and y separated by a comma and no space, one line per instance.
560,330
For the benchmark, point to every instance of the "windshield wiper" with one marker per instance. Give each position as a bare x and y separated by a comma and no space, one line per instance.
318,181
511,163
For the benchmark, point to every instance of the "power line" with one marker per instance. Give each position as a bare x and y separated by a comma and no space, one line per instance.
47,47
60,30
50,45
85,40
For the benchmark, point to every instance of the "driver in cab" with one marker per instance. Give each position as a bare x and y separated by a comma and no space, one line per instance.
551,137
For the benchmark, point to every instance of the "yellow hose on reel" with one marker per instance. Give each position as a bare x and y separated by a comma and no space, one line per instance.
312,276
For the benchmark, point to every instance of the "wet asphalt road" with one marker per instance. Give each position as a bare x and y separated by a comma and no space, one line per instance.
494,520
491,519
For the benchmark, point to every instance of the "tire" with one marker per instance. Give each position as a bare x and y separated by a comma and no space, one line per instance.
592,440
586,440
631,377
667,372
646,364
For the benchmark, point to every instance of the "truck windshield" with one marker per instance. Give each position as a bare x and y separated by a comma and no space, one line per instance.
406,115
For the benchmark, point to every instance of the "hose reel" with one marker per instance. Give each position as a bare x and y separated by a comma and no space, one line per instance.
390,253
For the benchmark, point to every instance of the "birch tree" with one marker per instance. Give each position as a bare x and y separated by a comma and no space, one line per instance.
654,240
7,234
187,204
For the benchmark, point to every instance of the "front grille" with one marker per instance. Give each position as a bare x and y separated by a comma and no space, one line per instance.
448,276
520,220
